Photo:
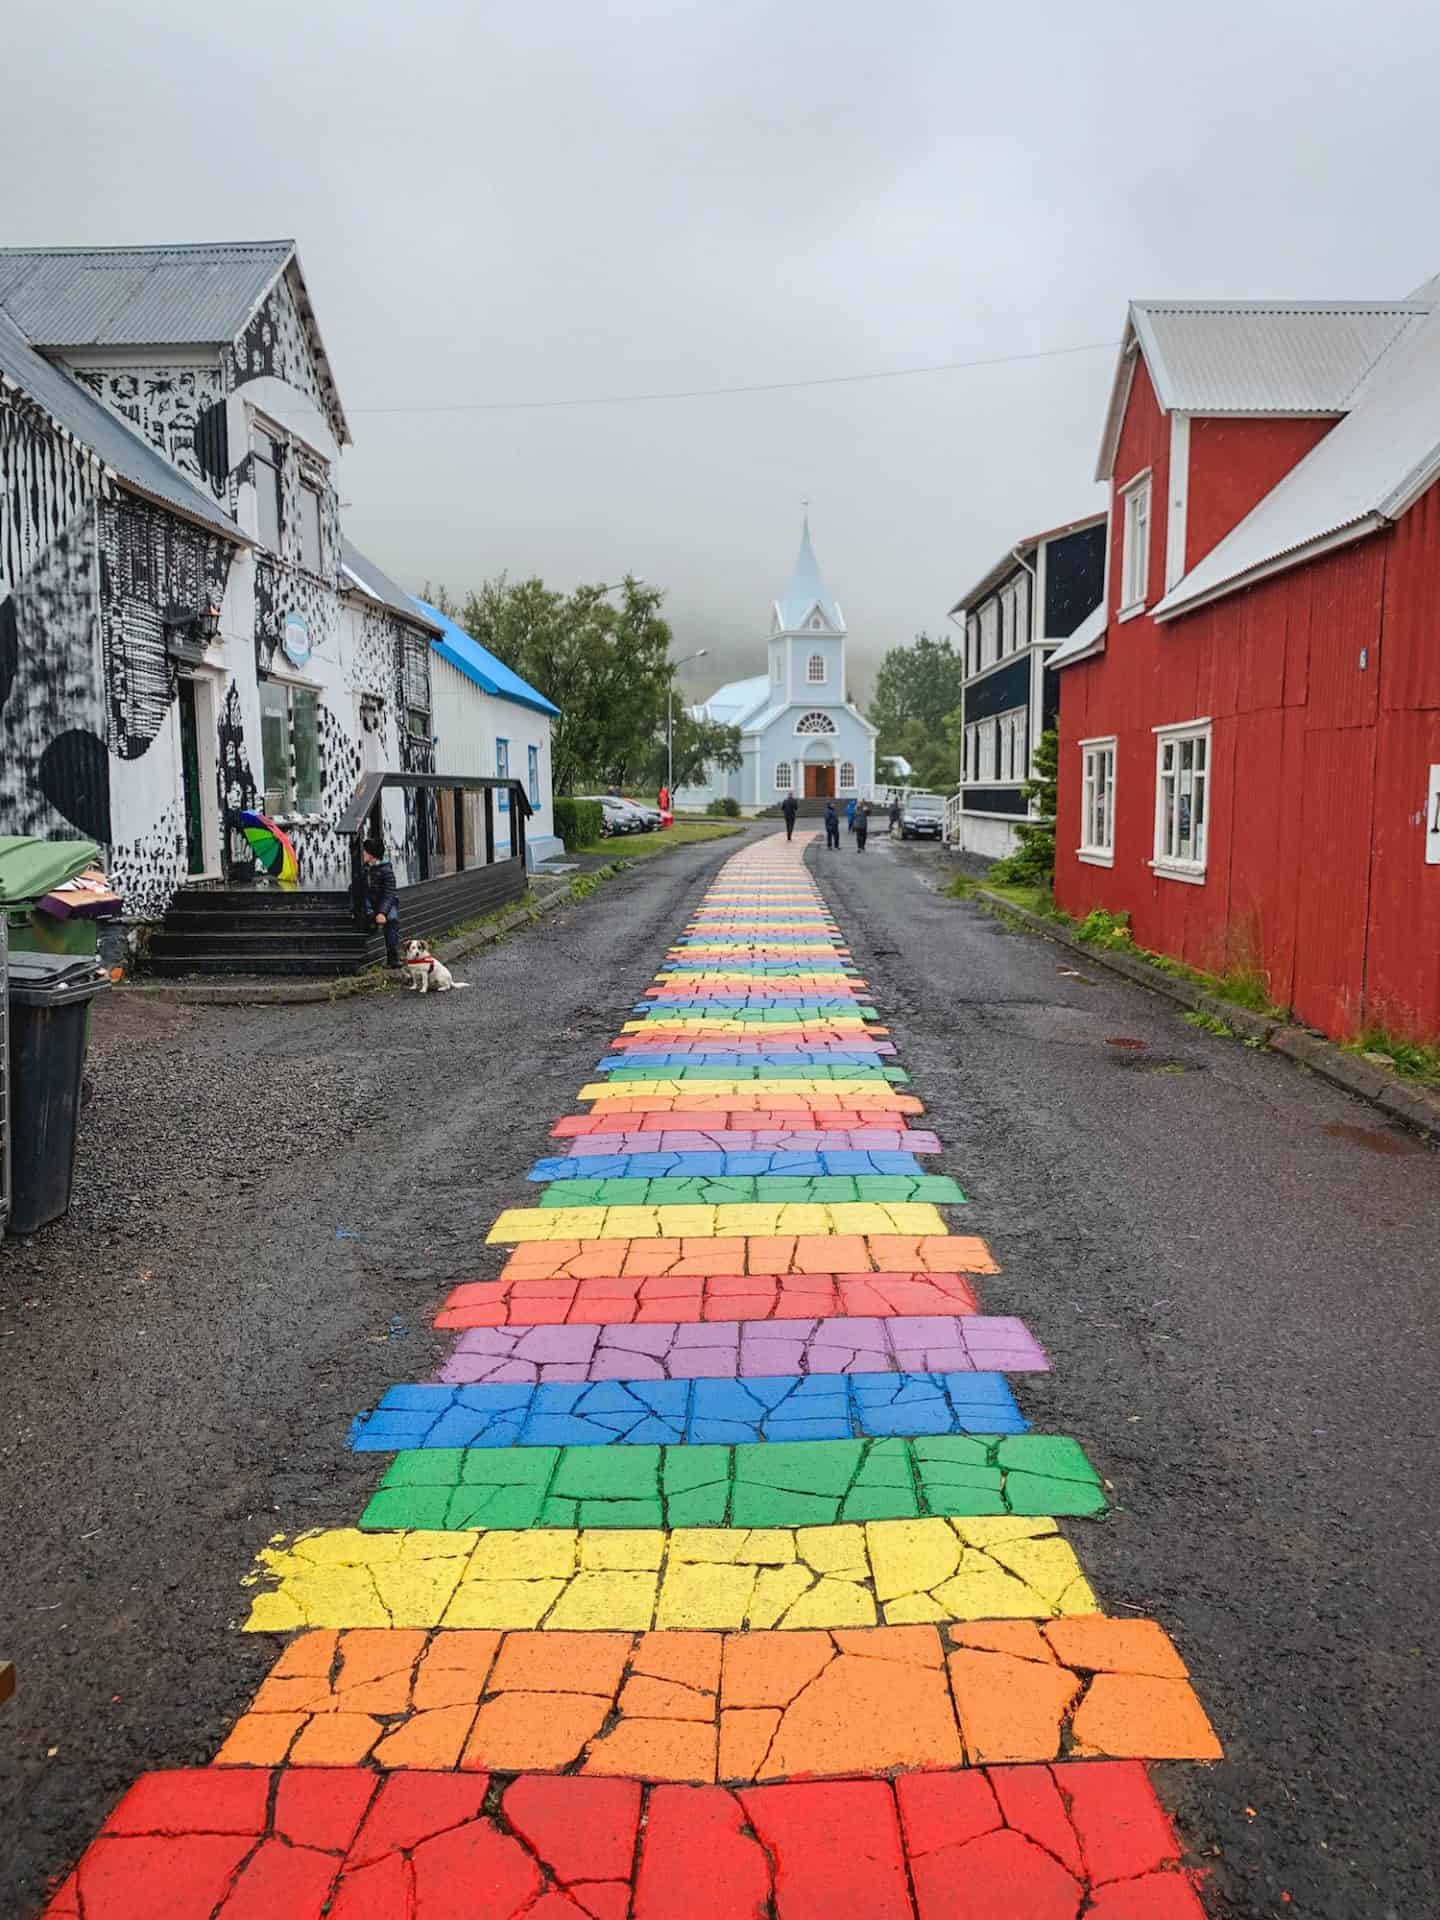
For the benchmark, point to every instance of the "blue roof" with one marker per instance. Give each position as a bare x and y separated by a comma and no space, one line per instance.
477,663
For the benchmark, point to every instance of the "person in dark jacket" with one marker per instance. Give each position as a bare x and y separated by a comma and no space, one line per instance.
832,826
789,807
862,825
382,897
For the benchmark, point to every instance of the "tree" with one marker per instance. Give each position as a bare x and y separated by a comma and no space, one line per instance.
698,744
605,665
916,686
1033,861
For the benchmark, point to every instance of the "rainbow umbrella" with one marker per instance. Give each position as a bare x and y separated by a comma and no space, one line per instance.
270,847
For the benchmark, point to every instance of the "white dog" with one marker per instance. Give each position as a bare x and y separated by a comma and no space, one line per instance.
426,971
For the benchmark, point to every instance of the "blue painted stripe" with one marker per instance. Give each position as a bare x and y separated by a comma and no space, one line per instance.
720,1166
690,1412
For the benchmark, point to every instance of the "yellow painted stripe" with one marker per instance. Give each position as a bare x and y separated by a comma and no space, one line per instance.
728,1220
604,1579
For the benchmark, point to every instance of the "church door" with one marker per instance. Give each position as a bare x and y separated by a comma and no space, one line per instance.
820,780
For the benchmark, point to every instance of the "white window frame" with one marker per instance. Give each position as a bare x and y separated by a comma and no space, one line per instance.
1166,862
847,775
784,776
1134,546
1097,848
827,725
812,678
268,451
989,633
972,645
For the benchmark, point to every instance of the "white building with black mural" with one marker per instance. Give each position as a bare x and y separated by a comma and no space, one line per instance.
183,632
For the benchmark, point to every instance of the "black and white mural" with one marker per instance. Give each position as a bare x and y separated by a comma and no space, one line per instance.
180,411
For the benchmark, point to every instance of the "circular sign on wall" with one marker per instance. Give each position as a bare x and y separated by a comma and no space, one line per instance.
295,639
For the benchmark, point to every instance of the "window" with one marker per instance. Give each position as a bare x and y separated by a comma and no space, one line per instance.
1182,794
783,777
814,723
989,633
266,456
972,644
1097,801
1135,558
290,747
778,668
1021,635
815,669
310,528
502,772
533,757
847,773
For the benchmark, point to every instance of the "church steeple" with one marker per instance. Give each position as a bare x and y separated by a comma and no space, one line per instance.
807,598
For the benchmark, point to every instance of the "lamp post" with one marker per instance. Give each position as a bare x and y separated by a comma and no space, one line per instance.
670,722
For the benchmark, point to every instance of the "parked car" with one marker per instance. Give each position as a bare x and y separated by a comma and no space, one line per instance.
650,820
617,816
922,816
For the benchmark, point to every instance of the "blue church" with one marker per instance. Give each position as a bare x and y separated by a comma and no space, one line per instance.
798,731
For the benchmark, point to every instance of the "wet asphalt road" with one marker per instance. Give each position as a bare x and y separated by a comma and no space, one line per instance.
1235,1270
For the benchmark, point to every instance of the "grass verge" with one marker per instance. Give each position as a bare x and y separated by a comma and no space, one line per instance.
1411,1059
643,846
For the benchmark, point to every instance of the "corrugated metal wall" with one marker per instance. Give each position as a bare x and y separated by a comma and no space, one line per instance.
1315,863
467,723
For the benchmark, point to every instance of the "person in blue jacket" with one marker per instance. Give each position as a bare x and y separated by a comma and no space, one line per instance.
832,826
850,814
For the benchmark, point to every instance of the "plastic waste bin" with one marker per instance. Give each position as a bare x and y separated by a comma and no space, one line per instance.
30,869
49,1018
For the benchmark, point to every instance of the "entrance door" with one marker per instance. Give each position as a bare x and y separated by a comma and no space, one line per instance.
819,780
190,776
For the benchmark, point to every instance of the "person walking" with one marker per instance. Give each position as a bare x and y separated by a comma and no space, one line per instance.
382,897
894,813
850,814
862,825
832,827
789,806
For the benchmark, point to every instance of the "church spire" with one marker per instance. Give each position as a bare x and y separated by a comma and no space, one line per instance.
807,593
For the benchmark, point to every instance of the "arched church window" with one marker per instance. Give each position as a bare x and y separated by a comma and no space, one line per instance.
815,670
814,723
847,773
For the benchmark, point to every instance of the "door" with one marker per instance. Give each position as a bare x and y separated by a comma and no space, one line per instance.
190,777
819,781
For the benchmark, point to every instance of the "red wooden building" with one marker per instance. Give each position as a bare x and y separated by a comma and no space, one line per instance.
1250,752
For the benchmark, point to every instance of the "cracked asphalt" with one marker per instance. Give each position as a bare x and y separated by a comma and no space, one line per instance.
1233,1266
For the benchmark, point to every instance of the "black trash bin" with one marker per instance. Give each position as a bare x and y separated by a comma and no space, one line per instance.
49,995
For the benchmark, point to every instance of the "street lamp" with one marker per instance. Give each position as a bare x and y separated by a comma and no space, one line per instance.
670,721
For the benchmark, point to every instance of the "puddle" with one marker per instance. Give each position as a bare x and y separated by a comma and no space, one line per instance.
1384,1140
1120,1041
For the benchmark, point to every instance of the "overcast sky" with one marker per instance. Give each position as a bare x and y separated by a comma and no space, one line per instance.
581,198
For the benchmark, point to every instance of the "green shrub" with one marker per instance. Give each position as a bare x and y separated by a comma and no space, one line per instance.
1101,929
727,808
578,822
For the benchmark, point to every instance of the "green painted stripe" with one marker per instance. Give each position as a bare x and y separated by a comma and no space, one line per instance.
785,1484
676,1190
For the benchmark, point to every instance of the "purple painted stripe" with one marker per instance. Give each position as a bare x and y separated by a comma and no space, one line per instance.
731,1350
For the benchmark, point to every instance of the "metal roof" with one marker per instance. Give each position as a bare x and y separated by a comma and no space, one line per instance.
63,297
807,590
120,452
1255,356
1088,639
732,704
372,580
1362,476
479,665
1011,563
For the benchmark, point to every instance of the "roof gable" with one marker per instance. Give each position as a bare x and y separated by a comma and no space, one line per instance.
1254,356
479,665
123,454
1363,475
377,585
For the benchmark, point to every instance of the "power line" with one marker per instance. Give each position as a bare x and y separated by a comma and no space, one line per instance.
763,386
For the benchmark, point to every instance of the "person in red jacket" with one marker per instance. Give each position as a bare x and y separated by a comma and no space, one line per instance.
665,813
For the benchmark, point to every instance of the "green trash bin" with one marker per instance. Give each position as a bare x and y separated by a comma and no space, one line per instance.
49,997
31,868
